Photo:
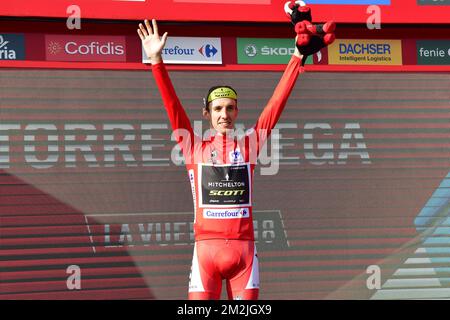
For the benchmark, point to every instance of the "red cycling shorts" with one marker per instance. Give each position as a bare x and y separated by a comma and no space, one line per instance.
236,261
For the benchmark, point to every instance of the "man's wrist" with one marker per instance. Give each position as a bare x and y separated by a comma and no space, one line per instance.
156,59
298,55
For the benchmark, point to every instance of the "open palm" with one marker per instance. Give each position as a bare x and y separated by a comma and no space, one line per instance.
151,41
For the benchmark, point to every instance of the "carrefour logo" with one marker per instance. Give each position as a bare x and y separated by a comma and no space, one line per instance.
192,50
226,213
208,50
176,50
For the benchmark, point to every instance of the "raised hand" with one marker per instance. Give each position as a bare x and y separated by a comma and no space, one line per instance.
310,38
151,41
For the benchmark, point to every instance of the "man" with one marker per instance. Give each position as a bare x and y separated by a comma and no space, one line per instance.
221,172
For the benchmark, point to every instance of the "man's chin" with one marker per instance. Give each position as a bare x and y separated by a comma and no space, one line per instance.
225,130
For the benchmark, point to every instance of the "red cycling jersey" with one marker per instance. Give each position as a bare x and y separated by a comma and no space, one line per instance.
221,169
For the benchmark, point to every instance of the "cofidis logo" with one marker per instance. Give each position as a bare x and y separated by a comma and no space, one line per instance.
85,48
12,47
365,52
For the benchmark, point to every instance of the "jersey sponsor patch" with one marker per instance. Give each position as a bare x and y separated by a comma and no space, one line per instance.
226,213
225,185
236,156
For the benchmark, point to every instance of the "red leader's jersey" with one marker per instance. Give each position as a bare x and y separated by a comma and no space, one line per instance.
221,169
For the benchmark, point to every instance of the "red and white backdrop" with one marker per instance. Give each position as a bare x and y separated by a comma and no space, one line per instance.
349,11
87,180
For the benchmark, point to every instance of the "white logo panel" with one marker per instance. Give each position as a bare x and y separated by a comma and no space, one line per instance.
226,213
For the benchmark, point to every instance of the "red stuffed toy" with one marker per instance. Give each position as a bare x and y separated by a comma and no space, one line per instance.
310,37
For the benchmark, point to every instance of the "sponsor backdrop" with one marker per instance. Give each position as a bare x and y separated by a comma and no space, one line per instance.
433,52
12,47
191,50
209,51
365,52
265,51
357,207
433,2
85,48
351,11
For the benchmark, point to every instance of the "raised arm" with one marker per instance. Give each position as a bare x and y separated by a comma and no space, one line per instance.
272,112
153,45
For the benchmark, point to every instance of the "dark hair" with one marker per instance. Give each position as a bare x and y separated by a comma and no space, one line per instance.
205,99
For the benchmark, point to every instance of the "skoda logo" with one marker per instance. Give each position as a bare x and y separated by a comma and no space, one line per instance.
250,50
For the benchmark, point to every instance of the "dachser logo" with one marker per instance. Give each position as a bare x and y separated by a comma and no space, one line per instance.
12,47
85,48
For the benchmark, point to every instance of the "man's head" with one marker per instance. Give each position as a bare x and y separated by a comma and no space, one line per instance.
221,108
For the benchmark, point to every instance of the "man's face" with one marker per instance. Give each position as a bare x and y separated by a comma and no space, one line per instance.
222,114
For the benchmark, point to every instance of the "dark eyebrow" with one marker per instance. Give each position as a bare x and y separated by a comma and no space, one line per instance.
228,106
